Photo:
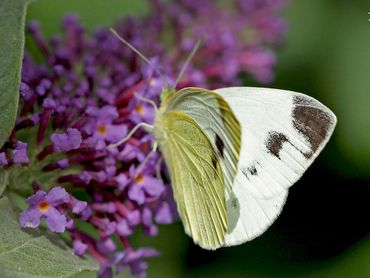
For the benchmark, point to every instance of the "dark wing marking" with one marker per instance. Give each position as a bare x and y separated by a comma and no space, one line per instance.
274,142
313,123
220,145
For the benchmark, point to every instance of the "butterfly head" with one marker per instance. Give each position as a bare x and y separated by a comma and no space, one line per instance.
166,94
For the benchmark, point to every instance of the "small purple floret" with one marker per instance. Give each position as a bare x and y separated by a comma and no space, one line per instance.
3,159
66,141
78,206
106,246
44,204
20,155
79,248
135,260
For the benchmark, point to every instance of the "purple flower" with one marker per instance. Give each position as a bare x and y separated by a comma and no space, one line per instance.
129,152
79,248
141,111
66,141
147,220
3,160
165,213
164,209
137,149
143,186
101,127
43,204
77,205
106,246
122,181
85,177
135,260
20,155
133,217
123,228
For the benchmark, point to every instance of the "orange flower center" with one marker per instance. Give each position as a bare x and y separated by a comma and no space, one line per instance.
139,108
102,129
144,147
139,179
44,206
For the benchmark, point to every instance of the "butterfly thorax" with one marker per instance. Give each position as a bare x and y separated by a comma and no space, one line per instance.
159,130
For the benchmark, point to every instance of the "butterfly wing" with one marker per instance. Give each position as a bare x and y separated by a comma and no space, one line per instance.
282,133
196,177
215,117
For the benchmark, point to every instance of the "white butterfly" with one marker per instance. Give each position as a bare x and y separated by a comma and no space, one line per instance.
281,133
233,153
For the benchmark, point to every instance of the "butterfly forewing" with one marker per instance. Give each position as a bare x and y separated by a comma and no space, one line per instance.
196,177
282,133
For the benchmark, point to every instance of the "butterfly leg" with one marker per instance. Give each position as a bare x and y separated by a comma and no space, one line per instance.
147,158
146,126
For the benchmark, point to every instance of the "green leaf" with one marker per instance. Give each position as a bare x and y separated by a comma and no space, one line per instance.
28,253
12,17
4,180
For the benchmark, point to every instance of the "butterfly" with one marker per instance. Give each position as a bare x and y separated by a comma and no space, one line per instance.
233,153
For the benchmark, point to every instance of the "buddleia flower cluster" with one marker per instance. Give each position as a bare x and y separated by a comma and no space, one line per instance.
88,92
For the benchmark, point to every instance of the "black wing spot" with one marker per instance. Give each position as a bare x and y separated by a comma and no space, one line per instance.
220,145
252,170
274,142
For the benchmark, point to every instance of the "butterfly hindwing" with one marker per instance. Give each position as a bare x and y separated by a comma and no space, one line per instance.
253,217
196,177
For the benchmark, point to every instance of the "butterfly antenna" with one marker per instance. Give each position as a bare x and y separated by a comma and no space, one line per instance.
129,45
185,65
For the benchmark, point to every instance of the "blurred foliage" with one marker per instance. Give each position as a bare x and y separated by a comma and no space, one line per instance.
93,13
324,228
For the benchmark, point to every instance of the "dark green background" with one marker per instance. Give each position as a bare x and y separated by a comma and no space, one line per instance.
324,228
